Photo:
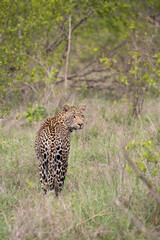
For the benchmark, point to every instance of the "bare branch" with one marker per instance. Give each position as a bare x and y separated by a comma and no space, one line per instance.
63,35
79,75
68,51
88,65
40,63
61,62
83,19
102,213
29,85
142,177
121,44
138,224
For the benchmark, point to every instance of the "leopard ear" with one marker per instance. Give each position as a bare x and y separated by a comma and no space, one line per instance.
83,107
66,108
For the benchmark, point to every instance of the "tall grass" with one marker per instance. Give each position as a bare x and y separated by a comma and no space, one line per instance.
98,178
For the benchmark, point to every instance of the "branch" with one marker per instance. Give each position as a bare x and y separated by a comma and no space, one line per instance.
118,46
83,19
138,224
102,213
68,51
40,63
60,62
78,75
88,65
142,177
63,36
29,85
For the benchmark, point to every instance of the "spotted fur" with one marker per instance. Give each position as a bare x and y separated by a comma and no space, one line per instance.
52,146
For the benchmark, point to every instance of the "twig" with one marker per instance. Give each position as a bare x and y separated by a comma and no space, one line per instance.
68,51
142,177
96,215
88,65
63,36
121,44
40,63
29,85
60,62
6,221
79,75
150,235
83,19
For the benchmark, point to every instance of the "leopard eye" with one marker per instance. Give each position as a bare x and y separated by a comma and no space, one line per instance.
74,116
82,116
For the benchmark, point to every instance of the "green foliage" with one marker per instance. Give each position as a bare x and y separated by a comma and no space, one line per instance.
37,113
33,39
146,155
4,111
138,73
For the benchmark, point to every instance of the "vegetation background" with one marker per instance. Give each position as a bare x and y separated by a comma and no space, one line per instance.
104,54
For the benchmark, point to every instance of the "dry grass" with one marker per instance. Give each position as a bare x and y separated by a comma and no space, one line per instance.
101,199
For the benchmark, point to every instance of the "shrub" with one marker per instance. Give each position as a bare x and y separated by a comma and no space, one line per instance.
37,113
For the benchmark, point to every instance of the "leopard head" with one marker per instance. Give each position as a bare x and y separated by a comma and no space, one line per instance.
73,117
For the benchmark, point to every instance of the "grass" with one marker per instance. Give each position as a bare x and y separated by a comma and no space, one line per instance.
102,197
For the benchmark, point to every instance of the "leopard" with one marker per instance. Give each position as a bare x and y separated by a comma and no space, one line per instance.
52,146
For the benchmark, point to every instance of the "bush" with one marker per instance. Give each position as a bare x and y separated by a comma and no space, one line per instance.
37,113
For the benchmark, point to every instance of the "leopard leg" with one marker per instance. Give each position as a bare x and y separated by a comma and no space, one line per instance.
43,178
51,173
43,171
56,179
60,177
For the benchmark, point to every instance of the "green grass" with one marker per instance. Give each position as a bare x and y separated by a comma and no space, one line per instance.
97,177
